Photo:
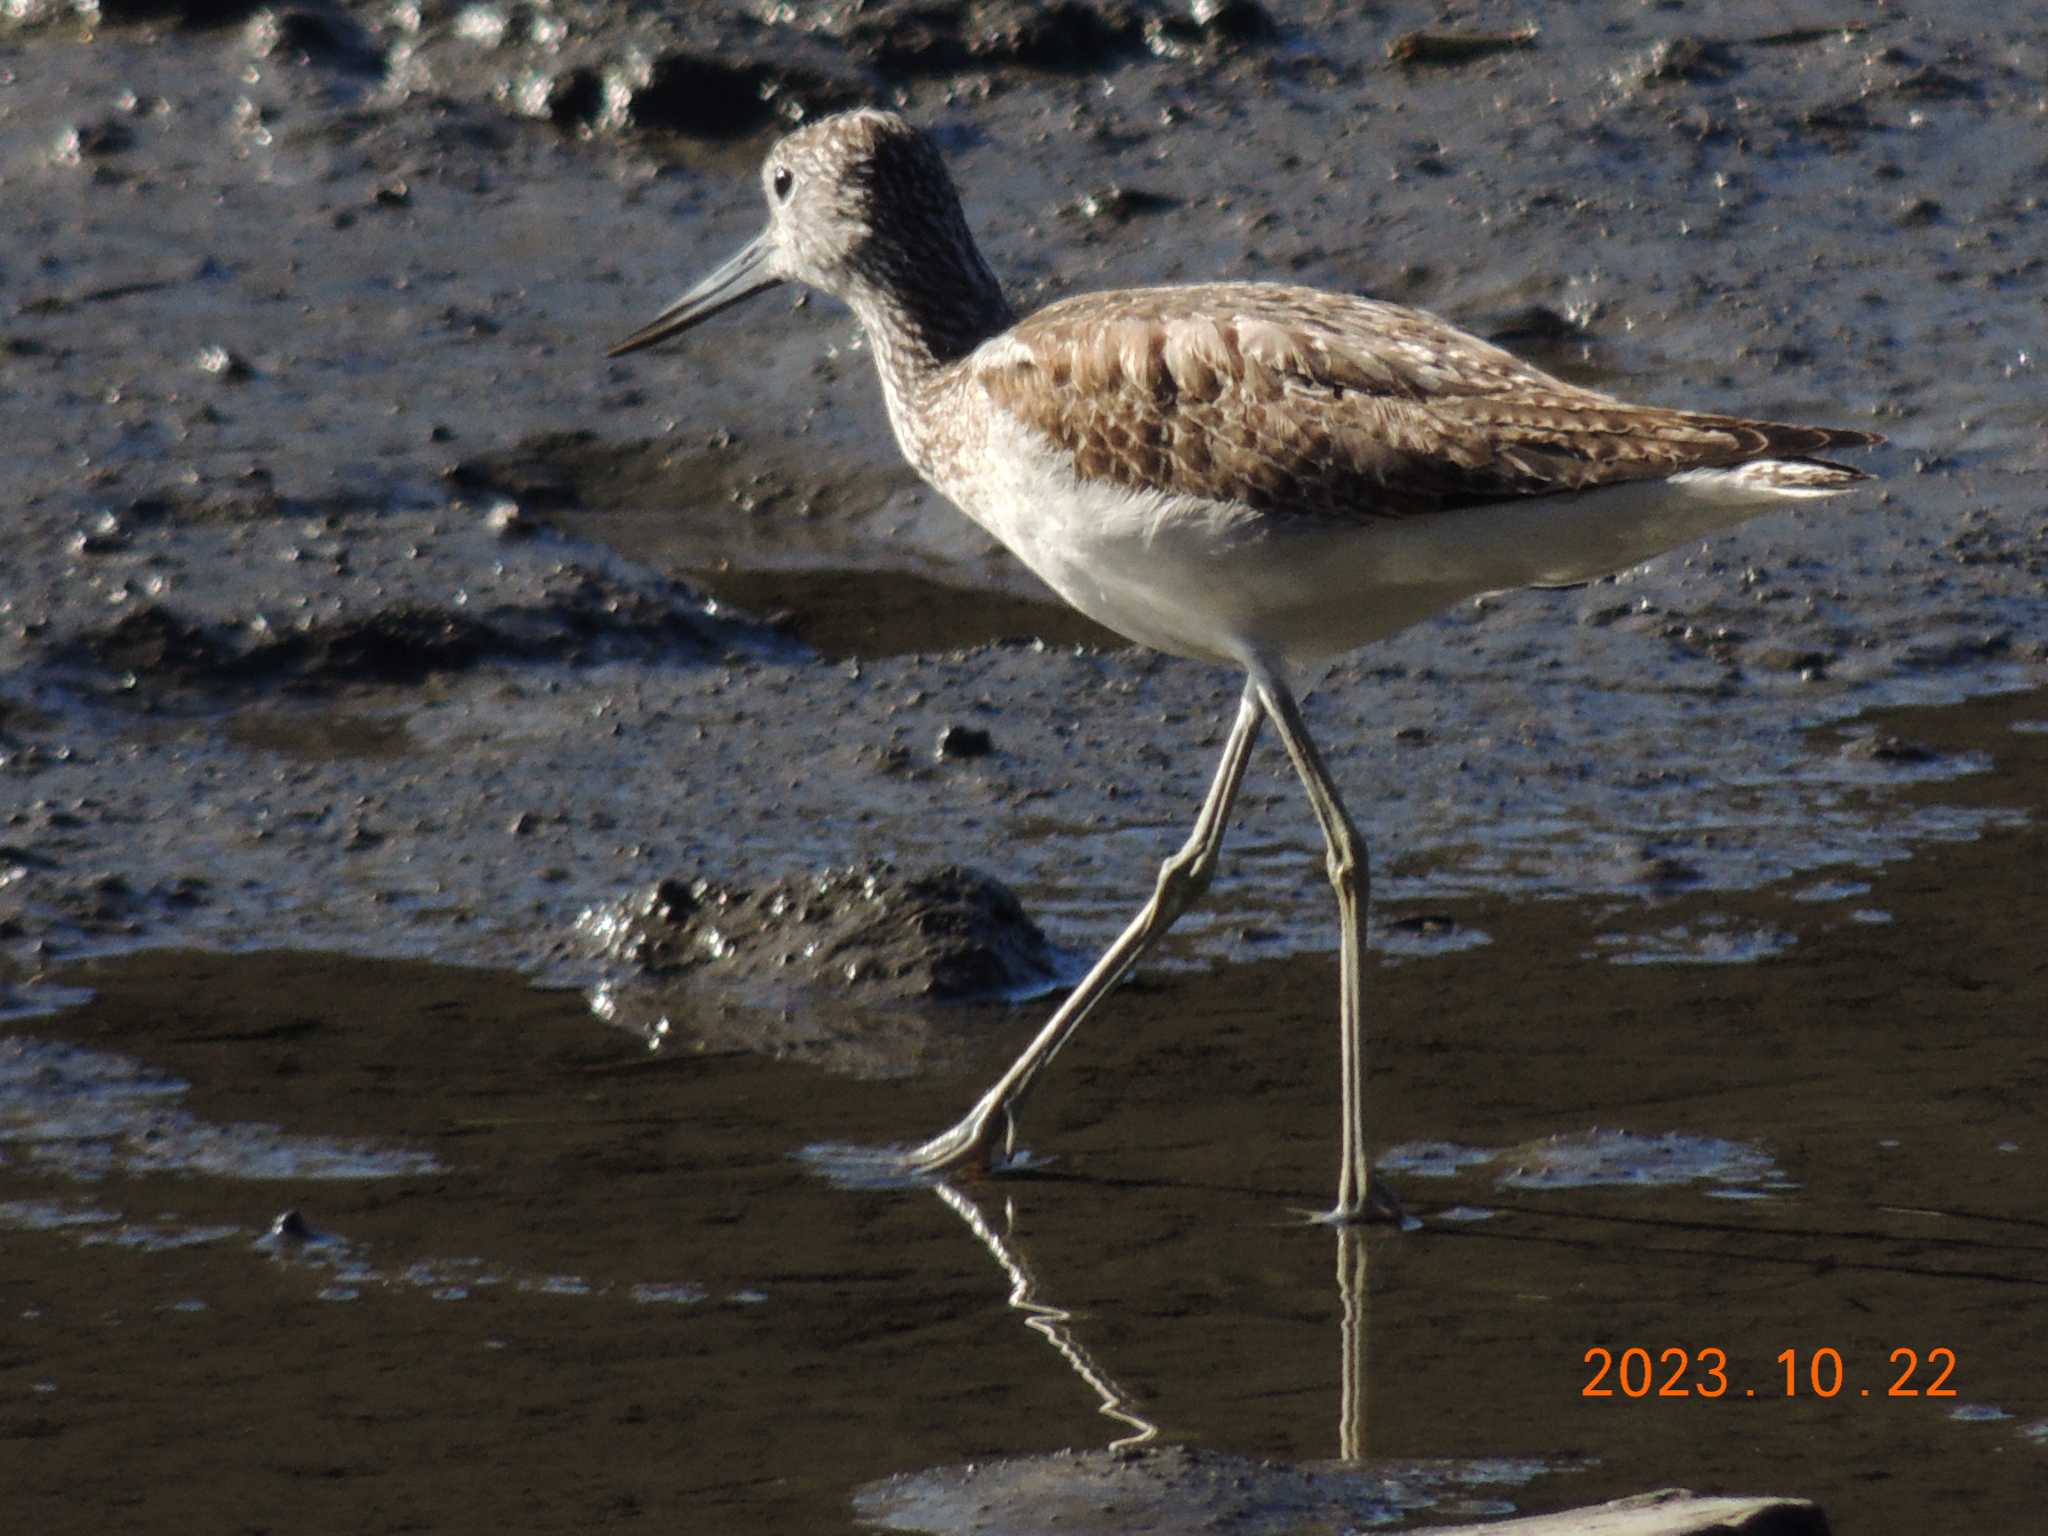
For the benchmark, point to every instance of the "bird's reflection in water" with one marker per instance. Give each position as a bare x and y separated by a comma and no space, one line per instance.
1055,1325
1051,1322
1351,1345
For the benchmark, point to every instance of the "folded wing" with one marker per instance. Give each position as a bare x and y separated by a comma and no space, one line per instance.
1298,402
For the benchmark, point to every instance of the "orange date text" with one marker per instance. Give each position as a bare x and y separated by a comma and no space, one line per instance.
1636,1372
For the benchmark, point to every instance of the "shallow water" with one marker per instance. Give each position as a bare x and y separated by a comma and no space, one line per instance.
594,1282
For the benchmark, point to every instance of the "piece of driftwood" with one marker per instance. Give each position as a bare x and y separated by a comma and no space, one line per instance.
1671,1512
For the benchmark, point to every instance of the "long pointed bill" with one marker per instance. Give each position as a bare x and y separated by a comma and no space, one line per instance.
745,275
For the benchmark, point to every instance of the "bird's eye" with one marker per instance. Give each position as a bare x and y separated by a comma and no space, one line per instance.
783,182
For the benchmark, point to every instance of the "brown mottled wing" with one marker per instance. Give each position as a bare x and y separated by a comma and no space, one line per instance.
1297,401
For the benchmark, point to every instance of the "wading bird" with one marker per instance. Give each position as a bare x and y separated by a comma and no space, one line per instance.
1251,474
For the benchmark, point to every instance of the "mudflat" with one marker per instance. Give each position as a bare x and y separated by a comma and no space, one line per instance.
369,644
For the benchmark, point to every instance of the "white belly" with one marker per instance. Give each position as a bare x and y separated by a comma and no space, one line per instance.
1219,582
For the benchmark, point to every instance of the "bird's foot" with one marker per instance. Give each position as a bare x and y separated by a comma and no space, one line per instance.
980,1143
1380,1204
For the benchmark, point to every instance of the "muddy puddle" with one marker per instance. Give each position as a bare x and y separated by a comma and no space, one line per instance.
566,1281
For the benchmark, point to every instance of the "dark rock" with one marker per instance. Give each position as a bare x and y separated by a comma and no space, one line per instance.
950,934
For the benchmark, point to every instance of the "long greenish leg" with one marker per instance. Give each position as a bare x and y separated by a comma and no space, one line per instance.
1359,1196
988,1131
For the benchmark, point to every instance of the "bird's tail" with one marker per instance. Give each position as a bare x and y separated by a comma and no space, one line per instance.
1788,477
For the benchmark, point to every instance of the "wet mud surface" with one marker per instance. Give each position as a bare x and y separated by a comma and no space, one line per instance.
353,599
360,622
588,1284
